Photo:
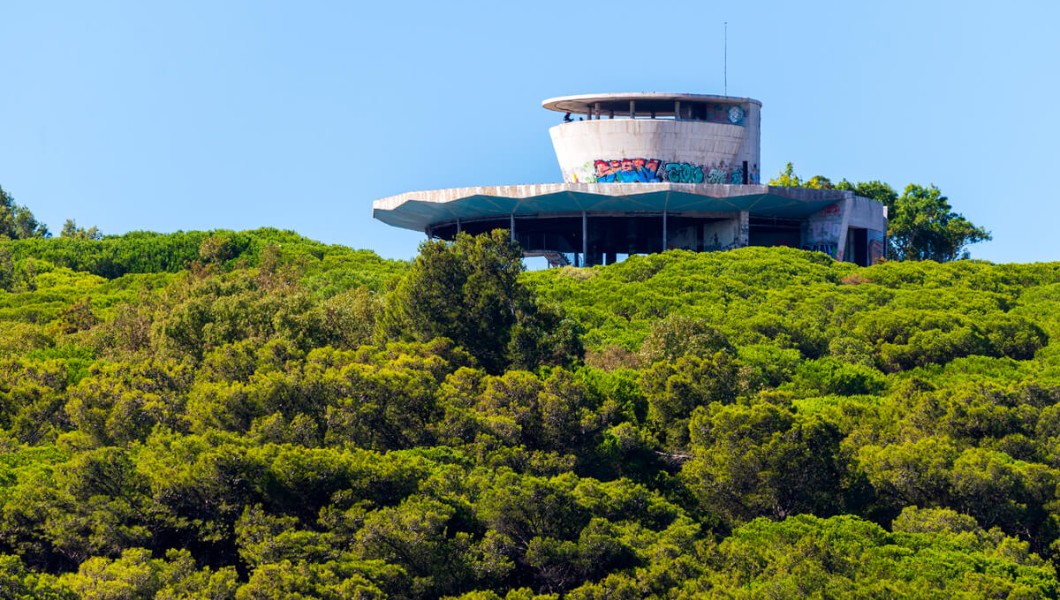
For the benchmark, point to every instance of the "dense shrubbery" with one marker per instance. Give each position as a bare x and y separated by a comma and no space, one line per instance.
256,415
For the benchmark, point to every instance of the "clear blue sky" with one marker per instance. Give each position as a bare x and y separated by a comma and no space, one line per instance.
235,114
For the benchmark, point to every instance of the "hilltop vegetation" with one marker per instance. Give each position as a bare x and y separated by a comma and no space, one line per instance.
256,415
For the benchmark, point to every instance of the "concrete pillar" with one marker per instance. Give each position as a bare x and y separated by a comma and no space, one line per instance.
511,228
665,242
744,238
844,227
633,109
585,238
458,230
677,109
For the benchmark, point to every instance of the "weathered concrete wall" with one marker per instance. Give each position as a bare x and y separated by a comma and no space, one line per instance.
647,150
867,214
682,237
721,235
829,230
877,246
822,231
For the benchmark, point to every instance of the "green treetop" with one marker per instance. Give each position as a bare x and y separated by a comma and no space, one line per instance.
469,291
17,222
71,230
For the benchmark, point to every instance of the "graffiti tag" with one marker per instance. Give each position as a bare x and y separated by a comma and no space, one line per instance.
627,170
828,248
684,173
650,170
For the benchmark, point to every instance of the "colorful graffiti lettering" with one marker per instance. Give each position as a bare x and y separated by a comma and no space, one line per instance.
828,248
684,173
627,170
725,175
717,173
651,170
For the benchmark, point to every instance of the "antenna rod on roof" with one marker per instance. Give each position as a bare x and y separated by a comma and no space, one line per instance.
726,59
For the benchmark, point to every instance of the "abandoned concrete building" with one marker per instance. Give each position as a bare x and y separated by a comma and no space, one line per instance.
647,172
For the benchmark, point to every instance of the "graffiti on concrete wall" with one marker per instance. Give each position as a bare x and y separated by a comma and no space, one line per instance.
824,230
627,170
723,174
649,170
730,174
828,248
684,173
821,232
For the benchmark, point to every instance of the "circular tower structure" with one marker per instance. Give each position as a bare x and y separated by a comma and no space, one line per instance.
652,137
647,172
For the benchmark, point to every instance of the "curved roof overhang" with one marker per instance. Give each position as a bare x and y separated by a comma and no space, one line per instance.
660,103
420,211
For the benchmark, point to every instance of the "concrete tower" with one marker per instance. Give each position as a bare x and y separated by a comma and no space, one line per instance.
646,172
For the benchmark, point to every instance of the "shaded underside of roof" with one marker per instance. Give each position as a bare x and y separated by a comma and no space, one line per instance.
422,210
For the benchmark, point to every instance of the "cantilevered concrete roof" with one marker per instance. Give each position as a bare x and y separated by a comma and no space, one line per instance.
662,104
422,210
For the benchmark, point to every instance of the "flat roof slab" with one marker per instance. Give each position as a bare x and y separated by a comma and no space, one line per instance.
422,210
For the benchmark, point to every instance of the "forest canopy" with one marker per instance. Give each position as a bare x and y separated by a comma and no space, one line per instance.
257,415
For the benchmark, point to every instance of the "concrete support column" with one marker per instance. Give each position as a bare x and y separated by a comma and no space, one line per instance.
633,109
458,229
744,238
665,242
511,227
844,227
585,238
